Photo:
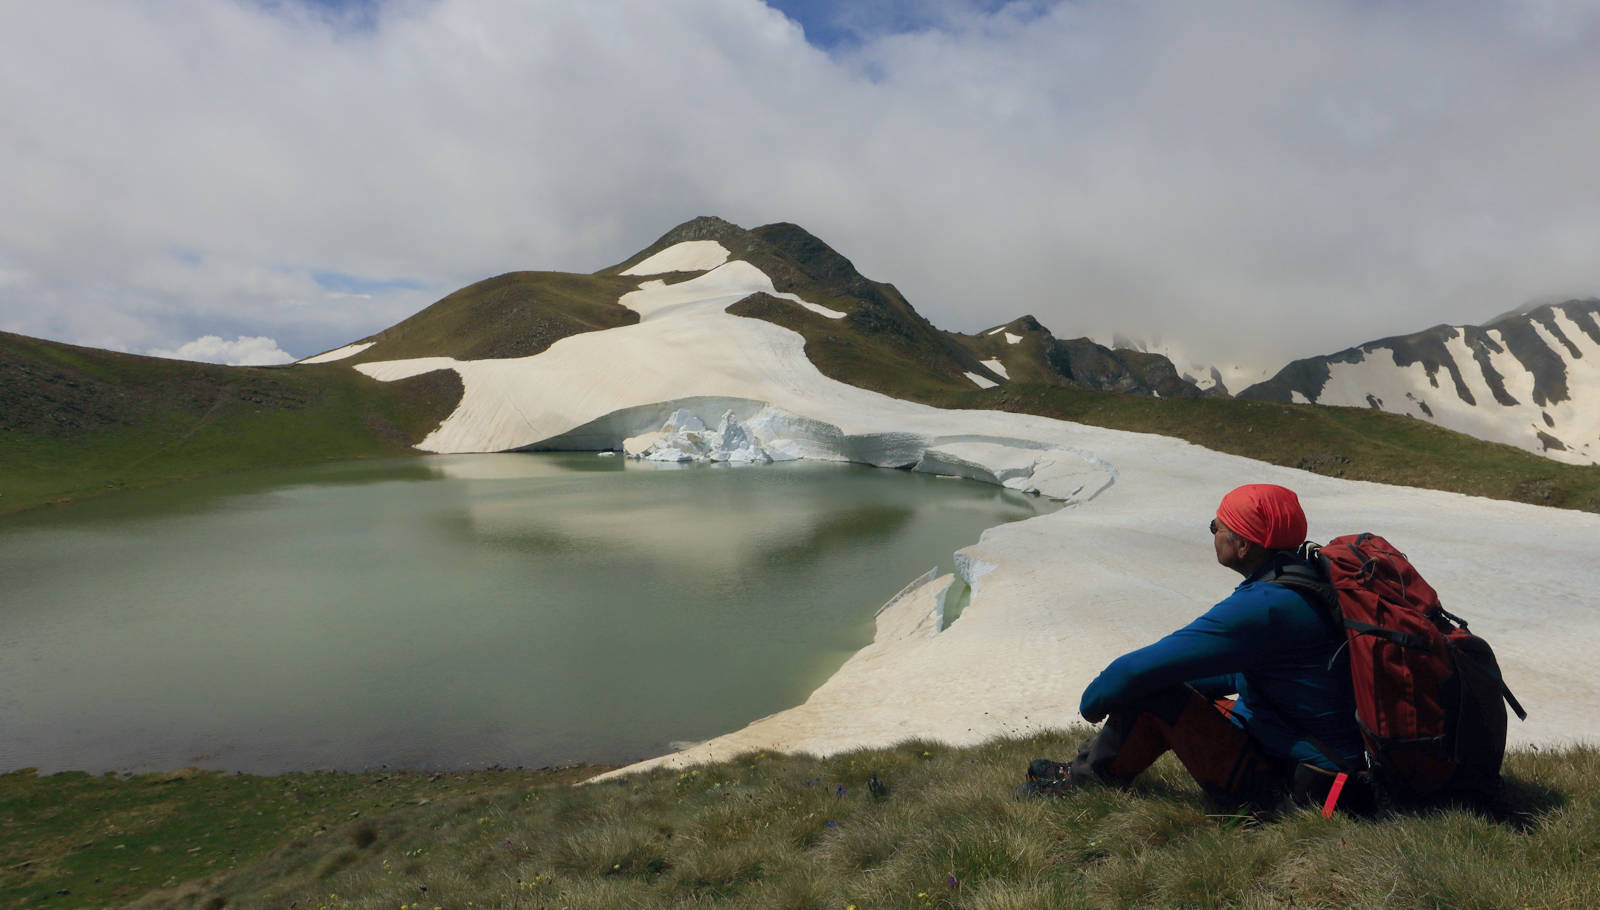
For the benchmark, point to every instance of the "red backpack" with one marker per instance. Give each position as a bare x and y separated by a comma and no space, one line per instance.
1430,700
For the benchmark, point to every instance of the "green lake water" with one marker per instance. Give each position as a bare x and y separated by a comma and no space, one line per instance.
451,611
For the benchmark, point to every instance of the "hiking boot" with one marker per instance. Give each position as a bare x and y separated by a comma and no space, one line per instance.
1047,778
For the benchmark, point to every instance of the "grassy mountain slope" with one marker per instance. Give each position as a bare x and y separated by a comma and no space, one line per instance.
77,421
518,314
777,831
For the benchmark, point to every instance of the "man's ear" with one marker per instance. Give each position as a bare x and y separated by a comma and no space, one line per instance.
1251,555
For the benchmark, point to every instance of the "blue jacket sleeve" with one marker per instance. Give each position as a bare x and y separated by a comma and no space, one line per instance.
1219,686
1222,641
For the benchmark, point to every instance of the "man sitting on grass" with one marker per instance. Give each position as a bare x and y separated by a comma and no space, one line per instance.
1269,643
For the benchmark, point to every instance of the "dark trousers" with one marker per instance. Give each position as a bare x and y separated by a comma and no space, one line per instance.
1220,756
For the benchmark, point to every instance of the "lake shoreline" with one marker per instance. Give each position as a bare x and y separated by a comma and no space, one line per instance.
352,578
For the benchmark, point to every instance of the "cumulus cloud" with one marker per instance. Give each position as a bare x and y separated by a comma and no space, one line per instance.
256,351
1255,179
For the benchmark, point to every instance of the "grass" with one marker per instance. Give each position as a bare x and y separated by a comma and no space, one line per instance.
775,831
111,839
79,421
860,351
517,314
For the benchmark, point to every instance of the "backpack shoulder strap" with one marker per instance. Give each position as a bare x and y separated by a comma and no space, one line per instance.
1306,573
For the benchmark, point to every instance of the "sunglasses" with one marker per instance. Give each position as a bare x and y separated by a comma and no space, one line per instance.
1213,526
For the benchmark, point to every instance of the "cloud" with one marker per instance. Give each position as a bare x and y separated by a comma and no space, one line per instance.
1256,179
256,351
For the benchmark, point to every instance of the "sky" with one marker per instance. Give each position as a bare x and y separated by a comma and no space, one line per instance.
1248,180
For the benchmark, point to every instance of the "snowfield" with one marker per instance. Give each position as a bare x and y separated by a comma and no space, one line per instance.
689,256
1054,598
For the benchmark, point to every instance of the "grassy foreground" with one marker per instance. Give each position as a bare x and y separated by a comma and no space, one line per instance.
768,830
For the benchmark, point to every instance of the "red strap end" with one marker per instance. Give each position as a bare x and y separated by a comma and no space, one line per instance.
1333,794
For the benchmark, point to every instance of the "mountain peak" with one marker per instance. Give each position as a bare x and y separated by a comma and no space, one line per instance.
784,250
816,259
1543,304
1524,379
704,227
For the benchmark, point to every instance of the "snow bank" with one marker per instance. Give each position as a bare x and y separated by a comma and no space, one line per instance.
821,310
689,256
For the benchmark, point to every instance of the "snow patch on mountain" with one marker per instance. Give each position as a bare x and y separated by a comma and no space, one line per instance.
1010,337
820,310
996,366
689,256
982,382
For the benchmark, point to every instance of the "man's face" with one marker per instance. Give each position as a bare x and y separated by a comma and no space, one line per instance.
1233,551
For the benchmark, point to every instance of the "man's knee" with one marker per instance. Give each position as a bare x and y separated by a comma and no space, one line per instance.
1167,705
1135,735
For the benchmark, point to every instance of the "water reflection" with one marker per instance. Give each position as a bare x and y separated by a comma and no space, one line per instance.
451,612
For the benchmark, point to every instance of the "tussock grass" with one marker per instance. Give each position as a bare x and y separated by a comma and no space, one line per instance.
783,831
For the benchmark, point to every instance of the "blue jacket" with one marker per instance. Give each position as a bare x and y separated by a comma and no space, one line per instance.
1265,640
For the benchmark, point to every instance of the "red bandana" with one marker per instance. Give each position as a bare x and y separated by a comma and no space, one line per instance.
1265,513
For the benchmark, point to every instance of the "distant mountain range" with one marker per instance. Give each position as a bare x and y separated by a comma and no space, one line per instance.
1530,379
1218,378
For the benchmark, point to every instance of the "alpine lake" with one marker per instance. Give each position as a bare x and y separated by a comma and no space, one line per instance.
452,612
